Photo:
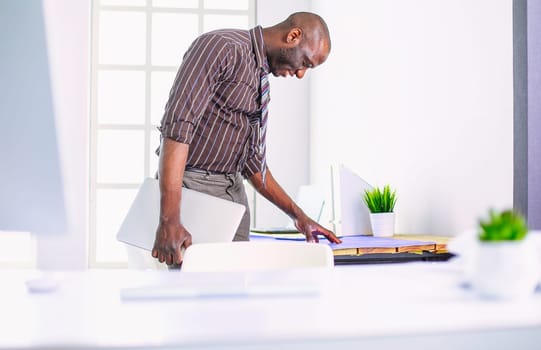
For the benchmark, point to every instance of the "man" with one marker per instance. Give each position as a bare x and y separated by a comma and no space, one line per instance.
214,126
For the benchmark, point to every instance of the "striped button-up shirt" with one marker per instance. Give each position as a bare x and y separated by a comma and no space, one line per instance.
215,104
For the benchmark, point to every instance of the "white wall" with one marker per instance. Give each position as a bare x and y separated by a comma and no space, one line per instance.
68,38
287,144
418,94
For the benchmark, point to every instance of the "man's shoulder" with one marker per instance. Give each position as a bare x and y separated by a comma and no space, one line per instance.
228,36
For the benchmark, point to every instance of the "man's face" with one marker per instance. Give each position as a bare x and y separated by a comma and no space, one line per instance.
296,60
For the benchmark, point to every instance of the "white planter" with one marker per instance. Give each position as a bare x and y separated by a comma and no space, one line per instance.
505,270
382,224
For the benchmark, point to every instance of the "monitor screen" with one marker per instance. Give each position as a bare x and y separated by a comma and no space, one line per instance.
350,213
31,191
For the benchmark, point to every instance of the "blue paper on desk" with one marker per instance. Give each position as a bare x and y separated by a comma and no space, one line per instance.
359,241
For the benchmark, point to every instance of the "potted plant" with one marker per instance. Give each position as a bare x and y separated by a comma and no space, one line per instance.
381,205
505,265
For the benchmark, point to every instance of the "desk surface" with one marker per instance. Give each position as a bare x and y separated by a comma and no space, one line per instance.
411,306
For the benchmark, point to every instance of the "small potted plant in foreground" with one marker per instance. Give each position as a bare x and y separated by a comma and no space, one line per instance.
381,205
505,264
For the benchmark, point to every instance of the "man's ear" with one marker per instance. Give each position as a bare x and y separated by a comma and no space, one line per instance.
294,36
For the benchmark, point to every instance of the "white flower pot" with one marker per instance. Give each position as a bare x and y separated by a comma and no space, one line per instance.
505,270
382,224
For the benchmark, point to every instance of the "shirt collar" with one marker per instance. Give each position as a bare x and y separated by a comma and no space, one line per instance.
256,35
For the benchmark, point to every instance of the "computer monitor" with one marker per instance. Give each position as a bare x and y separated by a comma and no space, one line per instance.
31,191
349,211
310,200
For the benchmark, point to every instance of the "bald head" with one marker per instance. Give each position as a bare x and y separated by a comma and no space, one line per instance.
300,42
313,26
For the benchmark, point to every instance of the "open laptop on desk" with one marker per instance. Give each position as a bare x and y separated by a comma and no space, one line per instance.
310,200
207,218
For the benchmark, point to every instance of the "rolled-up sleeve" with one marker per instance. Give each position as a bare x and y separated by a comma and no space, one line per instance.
253,165
204,65
254,159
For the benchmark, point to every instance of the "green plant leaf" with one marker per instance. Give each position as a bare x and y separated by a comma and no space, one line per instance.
380,200
507,225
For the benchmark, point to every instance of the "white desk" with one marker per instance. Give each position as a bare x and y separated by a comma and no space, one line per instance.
407,306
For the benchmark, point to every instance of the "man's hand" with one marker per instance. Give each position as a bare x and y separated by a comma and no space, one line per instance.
170,238
275,193
312,229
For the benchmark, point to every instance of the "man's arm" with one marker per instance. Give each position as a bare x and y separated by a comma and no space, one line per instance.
170,234
276,194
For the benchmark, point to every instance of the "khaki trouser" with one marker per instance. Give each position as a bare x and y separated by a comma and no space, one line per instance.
225,186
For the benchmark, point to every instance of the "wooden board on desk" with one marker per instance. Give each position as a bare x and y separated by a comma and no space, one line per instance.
348,251
441,241
417,248
402,249
375,250
374,245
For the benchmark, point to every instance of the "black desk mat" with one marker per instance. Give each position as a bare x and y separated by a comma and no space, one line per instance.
390,258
